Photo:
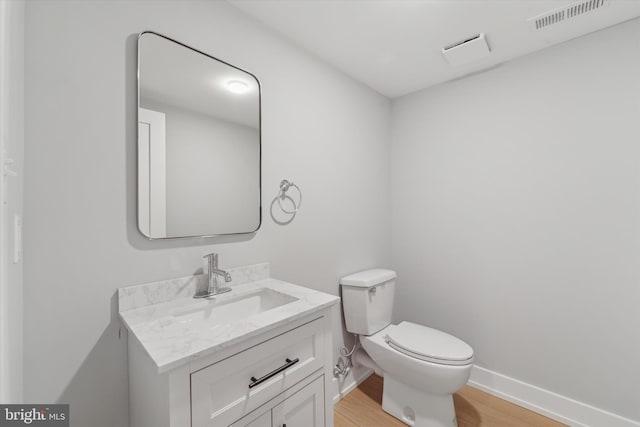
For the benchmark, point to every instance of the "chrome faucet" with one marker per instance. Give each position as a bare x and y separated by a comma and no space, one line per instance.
214,272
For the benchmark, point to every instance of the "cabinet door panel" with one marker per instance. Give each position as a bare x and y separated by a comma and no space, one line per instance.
303,409
263,420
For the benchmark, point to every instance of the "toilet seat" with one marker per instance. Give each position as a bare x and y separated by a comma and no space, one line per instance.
430,345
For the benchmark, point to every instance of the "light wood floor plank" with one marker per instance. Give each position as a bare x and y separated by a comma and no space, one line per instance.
363,406
340,420
474,408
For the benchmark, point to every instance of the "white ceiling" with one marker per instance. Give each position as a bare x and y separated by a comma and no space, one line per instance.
394,46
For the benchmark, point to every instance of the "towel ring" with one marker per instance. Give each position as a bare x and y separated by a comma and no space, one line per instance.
284,187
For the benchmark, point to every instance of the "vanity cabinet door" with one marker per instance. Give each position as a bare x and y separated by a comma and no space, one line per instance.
263,420
303,409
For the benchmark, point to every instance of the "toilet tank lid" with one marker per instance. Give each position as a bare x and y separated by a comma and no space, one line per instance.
368,278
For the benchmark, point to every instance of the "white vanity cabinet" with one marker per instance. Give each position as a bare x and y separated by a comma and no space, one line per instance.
279,378
225,391
304,408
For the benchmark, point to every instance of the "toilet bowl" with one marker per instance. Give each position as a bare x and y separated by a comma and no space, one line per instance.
422,367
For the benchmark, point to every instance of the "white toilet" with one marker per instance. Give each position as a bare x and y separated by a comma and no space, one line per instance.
422,367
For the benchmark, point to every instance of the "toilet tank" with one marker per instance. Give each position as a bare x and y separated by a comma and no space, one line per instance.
367,300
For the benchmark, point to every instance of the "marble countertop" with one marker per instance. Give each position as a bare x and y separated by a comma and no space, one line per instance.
172,340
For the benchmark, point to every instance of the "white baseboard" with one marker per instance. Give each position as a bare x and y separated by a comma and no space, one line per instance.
552,405
353,380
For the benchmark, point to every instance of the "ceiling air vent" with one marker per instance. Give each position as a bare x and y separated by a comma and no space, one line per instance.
468,50
565,13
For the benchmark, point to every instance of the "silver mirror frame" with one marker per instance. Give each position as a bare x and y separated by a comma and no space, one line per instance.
137,142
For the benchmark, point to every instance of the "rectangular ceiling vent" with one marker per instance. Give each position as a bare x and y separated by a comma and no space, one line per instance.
468,50
562,14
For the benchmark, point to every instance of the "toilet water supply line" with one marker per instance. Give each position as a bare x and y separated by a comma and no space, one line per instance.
343,367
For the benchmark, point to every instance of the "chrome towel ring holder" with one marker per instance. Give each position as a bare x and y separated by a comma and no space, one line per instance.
282,194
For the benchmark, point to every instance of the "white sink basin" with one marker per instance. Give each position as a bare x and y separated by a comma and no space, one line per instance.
227,309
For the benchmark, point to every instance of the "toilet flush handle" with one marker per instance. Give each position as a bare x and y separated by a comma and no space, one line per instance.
373,290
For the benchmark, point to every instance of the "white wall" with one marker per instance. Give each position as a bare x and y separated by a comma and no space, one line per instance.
12,21
210,163
322,130
516,216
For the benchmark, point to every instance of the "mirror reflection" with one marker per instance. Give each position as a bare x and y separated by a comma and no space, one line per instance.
198,143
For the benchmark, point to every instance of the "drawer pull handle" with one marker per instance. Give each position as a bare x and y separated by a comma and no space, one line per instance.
289,363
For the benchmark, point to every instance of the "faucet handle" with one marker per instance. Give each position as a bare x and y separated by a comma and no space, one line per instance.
212,261
212,257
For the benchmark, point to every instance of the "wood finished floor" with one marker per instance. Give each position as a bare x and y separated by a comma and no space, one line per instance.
363,408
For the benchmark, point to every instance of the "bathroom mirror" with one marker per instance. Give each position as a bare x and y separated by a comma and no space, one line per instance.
198,143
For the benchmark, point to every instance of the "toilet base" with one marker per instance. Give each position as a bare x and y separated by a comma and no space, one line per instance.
417,408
